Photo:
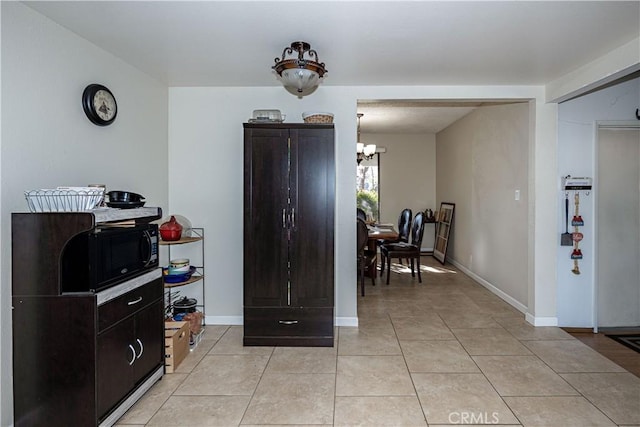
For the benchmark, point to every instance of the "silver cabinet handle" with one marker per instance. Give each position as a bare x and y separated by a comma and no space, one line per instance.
293,217
135,301
133,353
284,221
141,348
288,322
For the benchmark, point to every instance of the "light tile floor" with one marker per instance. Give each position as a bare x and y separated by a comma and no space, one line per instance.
443,352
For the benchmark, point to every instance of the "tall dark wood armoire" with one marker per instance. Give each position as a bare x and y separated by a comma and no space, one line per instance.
289,199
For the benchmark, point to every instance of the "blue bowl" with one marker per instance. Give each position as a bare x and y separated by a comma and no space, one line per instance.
177,278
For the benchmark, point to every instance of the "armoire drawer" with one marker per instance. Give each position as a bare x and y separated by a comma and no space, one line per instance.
288,326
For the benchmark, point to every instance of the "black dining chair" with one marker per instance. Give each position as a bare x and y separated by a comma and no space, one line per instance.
366,258
404,229
403,250
361,214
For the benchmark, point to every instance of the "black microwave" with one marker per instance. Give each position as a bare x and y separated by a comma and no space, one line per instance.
107,255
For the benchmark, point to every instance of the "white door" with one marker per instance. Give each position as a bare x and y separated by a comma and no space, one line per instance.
618,229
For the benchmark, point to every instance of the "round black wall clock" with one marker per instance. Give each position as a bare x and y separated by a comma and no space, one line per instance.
99,105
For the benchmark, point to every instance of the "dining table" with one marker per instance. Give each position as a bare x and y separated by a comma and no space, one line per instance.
379,232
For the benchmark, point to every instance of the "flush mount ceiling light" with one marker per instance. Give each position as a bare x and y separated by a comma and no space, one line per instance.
299,74
364,152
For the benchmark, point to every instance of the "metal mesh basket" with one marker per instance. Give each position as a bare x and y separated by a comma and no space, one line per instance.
77,199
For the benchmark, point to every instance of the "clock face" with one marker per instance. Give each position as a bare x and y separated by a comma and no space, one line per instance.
104,104
99,105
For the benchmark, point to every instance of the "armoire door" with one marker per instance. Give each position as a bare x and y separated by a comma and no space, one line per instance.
266,187
312,204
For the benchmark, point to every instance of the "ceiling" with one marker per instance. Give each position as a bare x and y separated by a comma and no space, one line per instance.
373,43
413,116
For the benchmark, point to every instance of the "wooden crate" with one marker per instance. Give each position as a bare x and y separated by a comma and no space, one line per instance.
176,344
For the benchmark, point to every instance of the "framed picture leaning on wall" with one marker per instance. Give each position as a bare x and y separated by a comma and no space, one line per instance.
444,222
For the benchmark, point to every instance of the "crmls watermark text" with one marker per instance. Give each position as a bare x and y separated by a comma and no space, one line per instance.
474,418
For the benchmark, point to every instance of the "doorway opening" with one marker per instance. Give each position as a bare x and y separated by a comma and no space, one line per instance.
368,187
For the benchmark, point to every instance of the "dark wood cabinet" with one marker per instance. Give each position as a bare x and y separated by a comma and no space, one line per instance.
127,352
79,358
289,193
114,372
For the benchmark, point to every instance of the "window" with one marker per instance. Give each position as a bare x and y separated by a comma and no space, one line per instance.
367,187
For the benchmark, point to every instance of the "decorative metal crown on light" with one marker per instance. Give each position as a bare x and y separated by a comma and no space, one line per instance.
364,152
299,74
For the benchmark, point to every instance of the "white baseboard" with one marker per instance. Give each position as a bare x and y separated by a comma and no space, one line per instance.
535,321
501,294
223,320
541,321
347,321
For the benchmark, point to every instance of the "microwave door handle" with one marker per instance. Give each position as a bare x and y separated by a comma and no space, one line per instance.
146,248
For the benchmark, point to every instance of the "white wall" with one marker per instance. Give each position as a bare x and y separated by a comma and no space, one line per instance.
407,175
206,127
615,64
576,146
48,141
44,145
482,160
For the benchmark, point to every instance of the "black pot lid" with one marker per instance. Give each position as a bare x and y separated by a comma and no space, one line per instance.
186,302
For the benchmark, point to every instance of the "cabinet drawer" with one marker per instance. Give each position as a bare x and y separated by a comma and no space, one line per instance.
129,303
288,326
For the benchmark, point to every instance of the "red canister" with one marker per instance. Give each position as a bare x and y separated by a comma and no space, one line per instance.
171,230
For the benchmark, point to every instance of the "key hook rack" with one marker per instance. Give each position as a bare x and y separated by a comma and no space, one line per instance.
571,184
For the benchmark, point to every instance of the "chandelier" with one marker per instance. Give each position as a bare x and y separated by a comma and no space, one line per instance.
299,74
364,152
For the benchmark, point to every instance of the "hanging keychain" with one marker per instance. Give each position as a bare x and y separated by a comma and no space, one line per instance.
577,221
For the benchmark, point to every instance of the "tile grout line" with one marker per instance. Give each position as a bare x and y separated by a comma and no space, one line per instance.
487,378
244,413
186,376
380,305
559,374
404,359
